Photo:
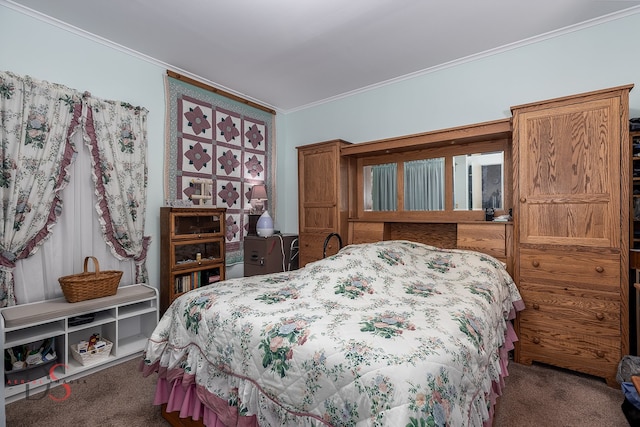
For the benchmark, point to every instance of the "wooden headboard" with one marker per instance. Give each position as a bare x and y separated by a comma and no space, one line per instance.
446,228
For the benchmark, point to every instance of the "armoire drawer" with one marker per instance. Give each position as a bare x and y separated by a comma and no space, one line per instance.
581,352
582,269
574,309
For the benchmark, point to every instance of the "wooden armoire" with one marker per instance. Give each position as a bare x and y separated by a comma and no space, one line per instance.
571,160
323,203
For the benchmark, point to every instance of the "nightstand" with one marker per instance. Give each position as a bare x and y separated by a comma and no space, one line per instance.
273,254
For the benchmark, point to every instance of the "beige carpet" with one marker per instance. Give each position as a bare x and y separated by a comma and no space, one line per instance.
115,397
120,397
543,396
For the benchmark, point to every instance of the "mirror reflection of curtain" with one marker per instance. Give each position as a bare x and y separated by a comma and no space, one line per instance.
385,190
424,185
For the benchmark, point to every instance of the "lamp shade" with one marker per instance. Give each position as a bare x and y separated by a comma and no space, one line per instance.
259,192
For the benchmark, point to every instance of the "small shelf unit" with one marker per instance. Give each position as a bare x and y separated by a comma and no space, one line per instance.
127,319
192,250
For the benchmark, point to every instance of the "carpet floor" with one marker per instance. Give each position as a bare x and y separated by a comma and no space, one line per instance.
119,396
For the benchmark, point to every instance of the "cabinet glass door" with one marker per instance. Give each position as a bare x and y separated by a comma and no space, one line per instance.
190,226
192,254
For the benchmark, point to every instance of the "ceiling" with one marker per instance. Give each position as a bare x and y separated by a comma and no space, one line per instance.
289,54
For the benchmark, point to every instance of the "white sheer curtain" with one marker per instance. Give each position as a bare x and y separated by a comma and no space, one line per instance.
76,236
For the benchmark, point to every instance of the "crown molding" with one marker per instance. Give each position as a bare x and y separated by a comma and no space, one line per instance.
477,56
108,43
470,58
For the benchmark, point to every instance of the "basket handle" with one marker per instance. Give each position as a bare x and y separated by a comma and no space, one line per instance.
96,265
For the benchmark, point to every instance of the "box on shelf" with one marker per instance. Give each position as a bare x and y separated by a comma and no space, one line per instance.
92,356
26,363
30,373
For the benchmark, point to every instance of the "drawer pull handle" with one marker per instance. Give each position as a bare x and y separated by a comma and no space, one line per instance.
523,199
536,306
599,269
535,264
199,236
600,316
536,340
600,354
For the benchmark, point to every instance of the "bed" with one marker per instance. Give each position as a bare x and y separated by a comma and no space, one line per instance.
392,333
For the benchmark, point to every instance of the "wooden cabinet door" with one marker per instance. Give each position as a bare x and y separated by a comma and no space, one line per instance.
322,196
569,173
318,192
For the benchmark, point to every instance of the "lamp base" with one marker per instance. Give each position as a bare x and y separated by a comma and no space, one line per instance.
253,221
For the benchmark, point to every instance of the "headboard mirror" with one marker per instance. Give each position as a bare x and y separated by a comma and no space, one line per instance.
423,180
478,181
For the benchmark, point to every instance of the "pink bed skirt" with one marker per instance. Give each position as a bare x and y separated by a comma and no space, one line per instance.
181,394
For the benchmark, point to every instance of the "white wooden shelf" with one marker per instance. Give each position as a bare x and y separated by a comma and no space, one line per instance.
127,319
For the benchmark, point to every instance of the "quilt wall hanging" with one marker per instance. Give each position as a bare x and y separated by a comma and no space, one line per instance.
215,139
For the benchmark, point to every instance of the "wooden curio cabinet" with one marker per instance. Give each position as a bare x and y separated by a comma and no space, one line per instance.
192,250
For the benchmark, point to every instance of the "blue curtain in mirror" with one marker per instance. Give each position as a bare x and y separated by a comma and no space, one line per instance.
384,193
424,185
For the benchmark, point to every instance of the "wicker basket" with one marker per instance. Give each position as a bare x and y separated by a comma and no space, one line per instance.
89,285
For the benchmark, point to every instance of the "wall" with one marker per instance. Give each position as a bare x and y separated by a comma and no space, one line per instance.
47,52
484,89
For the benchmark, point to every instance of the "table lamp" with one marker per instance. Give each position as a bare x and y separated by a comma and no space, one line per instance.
257,198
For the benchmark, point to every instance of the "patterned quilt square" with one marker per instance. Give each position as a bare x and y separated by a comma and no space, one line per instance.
196,157
228,127
254,166
234,224
228,164
254,135
228,193
195,118
188,189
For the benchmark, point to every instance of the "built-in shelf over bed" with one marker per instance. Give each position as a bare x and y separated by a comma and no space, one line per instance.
453,224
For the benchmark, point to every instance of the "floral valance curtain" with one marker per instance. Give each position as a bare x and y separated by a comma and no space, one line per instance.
37,121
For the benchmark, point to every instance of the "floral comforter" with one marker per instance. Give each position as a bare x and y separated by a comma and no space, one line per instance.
393,333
